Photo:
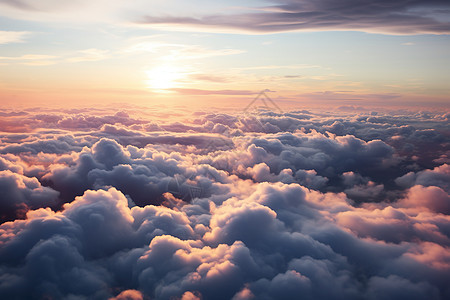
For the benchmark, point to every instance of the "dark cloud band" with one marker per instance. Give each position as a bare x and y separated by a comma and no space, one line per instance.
398,17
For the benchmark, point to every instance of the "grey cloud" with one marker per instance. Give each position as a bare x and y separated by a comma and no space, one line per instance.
59,145
288,209
394,287
45,5
400,17
19,193
439,176
18,4
92,122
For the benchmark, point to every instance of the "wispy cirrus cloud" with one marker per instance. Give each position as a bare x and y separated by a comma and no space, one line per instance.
9,37
30,59
45,59
18,4
174,50
186,91
399,17
90,55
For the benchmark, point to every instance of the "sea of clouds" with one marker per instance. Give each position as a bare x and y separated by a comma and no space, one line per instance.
348,204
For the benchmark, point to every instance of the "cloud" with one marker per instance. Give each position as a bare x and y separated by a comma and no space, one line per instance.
264,204
401,17
439,176
186,91
432,198
129,295
405,17
28,5
90,55
394,287
209,78
174,51
30,59
57,247
20,193
9,37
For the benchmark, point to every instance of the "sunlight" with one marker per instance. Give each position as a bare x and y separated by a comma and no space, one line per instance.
163,77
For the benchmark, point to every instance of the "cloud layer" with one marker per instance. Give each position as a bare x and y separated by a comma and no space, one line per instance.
262,205
399,17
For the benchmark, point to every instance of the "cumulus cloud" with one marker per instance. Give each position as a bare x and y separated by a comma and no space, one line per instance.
439,176
268,205
128,295
20,193
432,197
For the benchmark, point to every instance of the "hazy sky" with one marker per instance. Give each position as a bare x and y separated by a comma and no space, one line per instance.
324,52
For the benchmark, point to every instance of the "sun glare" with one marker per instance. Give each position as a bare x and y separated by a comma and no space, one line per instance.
163,77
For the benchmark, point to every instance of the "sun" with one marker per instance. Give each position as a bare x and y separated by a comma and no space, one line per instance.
163,77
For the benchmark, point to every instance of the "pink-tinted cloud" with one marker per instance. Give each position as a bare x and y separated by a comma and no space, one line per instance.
326,205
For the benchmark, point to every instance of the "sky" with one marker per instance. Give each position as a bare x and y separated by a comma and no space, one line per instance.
269,150
308,52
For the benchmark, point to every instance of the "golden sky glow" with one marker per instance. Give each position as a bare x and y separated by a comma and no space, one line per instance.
221,50
225,149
